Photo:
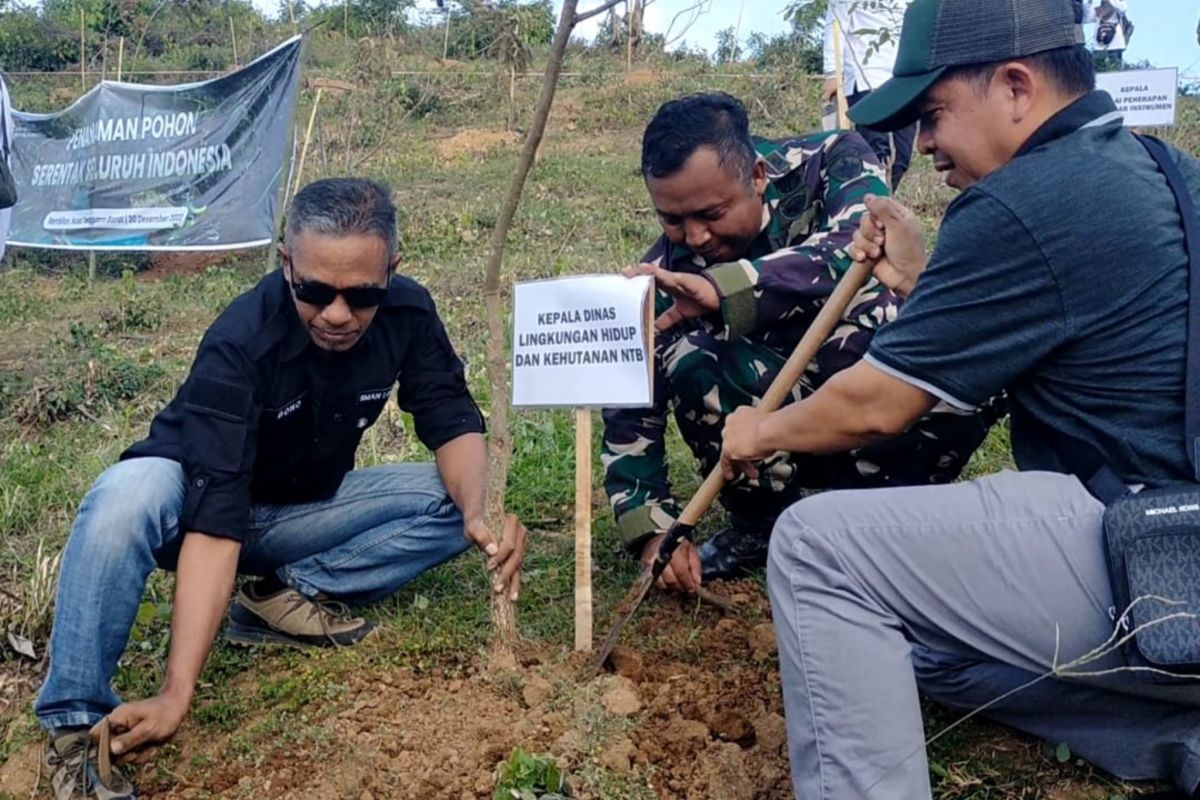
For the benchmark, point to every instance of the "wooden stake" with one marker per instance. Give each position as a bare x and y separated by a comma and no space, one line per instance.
233,38
82,56
583,529
91,268
446,35
629,9
512,97
307,138
120,58
842,107
321,144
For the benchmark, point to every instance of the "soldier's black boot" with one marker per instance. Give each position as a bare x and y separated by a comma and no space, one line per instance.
734,551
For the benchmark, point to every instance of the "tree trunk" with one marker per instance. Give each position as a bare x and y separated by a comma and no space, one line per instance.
500,439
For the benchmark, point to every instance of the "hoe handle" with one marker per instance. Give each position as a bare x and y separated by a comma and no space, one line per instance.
789,375
816,335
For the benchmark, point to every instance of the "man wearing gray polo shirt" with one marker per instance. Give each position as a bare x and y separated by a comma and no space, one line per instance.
970,591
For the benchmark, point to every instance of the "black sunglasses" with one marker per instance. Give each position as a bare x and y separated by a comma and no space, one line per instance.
315,293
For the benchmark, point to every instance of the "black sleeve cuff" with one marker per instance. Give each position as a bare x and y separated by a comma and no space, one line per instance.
215,506
447,421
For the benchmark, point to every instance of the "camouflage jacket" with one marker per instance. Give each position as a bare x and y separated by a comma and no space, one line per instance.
814,199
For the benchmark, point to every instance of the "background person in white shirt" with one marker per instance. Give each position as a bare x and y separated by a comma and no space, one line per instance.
870,33
1107,39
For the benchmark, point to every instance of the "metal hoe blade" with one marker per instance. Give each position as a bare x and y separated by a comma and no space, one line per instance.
641,587
624,613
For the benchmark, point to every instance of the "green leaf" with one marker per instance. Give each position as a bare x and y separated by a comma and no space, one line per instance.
1062,753
554,777
146,613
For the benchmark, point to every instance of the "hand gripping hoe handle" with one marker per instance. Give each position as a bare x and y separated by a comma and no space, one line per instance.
789,375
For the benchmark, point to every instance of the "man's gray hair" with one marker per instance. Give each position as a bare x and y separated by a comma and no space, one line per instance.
343,206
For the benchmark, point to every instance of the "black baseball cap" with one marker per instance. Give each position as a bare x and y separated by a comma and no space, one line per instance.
939,34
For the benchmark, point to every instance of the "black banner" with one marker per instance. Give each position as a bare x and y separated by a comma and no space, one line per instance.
139,167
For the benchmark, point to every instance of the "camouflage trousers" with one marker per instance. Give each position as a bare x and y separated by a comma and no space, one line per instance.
708,377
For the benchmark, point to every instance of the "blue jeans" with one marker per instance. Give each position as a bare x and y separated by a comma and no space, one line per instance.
385,526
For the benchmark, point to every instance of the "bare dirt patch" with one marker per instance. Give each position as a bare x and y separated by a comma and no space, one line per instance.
690,722
698,717
184,262
690,711
475,143
641,77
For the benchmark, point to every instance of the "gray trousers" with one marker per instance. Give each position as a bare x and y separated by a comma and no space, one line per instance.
956,591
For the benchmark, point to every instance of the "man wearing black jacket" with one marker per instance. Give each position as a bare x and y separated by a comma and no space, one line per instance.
251,469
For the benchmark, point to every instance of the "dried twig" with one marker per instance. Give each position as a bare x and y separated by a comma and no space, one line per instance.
392,128
1069,670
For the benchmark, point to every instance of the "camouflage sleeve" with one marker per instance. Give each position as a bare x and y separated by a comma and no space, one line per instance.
776,289
870,308
634,453
635,472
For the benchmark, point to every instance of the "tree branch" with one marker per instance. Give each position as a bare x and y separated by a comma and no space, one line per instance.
697,10
600,9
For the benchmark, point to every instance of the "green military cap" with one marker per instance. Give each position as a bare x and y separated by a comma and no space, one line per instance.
940,34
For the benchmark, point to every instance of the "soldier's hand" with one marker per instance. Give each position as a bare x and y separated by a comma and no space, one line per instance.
890,235
694,295
683,573
828,89
740,443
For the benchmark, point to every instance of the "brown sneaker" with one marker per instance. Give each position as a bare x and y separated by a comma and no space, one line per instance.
73,760
288,617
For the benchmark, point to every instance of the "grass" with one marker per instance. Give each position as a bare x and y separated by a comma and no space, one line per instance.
83,369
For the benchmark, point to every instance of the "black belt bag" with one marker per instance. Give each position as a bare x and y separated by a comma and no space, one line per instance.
1152,537
1153,544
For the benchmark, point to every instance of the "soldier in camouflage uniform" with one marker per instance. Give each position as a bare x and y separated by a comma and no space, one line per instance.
765,224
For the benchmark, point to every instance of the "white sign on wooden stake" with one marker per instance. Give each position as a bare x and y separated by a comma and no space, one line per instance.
1145,97
583,341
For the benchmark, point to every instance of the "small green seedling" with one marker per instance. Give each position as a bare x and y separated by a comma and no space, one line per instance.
525,776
